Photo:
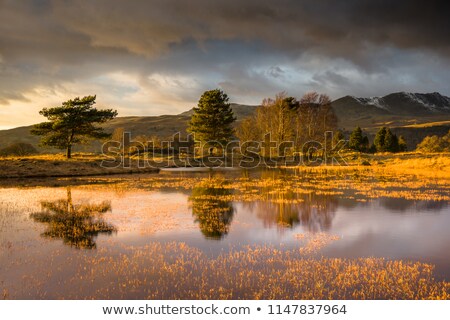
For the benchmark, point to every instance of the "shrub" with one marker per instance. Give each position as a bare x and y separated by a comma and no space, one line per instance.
18,149
435,144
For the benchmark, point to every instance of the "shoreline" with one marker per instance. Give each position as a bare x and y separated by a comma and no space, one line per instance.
50,166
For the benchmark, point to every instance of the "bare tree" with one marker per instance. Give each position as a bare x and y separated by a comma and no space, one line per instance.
314,117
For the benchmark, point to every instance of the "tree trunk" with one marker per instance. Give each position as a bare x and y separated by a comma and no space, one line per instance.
69,152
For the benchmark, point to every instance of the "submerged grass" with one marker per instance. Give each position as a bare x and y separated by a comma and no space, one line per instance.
177,271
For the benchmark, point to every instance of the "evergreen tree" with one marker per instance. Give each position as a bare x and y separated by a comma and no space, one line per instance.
357,141
213,118
365,144
380,139
390,141
72,123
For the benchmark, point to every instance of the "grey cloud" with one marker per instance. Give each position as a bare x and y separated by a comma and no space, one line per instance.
251,48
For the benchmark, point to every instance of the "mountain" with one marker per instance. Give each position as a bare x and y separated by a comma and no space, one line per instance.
414,115
395,109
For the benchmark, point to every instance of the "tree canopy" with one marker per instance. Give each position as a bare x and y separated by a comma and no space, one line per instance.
358,141
72,123
386,141
213,118
291,122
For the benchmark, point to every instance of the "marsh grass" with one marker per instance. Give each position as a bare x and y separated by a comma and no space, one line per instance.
177,271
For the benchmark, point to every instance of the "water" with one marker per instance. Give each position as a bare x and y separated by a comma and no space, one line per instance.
49,227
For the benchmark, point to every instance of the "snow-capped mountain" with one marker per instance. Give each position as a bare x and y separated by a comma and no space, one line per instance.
400,103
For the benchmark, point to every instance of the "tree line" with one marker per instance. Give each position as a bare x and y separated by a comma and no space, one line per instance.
283,119
385,141
286,119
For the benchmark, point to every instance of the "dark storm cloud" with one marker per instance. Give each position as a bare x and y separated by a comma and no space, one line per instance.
341,27
251,48
151,27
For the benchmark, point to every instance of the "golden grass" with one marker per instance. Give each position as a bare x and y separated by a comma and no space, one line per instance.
427,124
437,166
177,271
57,156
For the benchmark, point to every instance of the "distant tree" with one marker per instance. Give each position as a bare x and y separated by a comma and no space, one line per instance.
390,141
290,121
338,136
358,141
315,116
292,103
247,130
213,118
402,147
18,149
386,141
117,135
156,141
430,144
275,117
446,142
72,123
365,144
380,139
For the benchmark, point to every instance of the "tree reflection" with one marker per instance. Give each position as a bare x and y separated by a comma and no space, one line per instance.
287,209
76,225
212,208
405,205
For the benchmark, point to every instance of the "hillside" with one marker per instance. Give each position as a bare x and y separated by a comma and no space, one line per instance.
413,115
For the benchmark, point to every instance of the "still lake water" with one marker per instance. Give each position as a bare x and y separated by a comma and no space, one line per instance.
398,218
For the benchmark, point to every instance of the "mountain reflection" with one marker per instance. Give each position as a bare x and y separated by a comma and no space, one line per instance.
76,225
212,208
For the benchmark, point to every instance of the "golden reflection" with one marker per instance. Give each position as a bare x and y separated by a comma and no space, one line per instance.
76,225
212,208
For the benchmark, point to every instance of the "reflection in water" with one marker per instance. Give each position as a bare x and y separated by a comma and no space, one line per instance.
76,225
405,205
315,212
212,208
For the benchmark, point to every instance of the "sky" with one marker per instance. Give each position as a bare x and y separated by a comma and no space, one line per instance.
157,57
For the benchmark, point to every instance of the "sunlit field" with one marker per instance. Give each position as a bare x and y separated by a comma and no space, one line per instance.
355,232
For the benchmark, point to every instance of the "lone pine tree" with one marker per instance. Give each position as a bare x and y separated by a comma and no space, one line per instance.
72,123
212,121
